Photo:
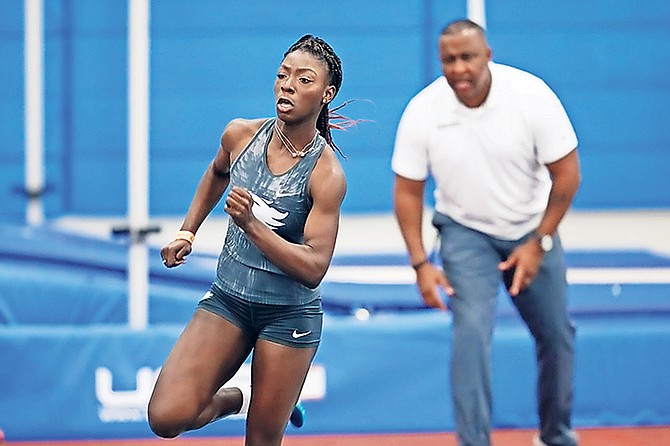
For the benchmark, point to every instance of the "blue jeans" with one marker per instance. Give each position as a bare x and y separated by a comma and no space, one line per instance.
470,260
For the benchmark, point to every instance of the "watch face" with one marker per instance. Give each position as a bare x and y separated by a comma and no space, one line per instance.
546,242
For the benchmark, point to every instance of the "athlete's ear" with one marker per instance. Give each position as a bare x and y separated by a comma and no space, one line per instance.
328,95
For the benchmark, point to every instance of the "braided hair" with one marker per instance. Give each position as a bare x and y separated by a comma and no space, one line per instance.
321,50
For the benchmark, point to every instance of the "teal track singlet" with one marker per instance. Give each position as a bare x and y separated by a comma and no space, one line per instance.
282,203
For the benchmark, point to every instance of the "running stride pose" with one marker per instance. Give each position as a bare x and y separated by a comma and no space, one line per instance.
286,189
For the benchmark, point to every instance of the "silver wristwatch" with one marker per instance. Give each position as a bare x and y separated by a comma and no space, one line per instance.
546,241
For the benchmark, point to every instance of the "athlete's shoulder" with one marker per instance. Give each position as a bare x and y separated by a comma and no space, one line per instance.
242,126
329,162
239,131
329,173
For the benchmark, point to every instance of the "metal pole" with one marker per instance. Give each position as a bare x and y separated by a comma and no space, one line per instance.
34,110
477,12
138,161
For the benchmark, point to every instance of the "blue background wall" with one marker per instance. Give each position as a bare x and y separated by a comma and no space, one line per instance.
212,61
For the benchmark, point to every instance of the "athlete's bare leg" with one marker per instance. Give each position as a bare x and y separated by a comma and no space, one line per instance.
188,392
277,375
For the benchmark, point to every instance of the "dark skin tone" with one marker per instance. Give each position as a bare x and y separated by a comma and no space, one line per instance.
464,56
307,262
188,393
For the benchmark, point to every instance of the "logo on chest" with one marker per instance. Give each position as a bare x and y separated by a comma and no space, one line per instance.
270,216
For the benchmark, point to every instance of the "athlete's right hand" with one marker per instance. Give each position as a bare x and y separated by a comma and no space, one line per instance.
430,280
174,253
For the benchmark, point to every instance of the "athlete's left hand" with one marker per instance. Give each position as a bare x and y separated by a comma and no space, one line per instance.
238,205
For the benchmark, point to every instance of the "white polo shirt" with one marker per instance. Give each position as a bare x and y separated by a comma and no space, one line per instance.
488,162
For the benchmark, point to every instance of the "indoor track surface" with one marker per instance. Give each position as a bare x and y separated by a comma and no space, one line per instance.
638,436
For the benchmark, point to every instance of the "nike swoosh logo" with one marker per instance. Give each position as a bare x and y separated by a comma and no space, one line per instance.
208,295
297,335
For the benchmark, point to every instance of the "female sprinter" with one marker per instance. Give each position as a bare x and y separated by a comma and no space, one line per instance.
285,189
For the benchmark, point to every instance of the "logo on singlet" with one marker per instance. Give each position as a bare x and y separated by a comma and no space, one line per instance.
270,216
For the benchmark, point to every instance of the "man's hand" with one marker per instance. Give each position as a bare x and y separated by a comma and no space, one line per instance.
429,280
525,260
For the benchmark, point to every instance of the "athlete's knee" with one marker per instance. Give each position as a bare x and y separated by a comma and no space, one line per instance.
168,420
163,427
163,423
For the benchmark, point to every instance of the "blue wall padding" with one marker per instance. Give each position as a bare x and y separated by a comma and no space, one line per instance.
63,312
394,366
50,277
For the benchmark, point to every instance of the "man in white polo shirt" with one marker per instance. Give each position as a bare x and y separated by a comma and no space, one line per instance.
503,154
